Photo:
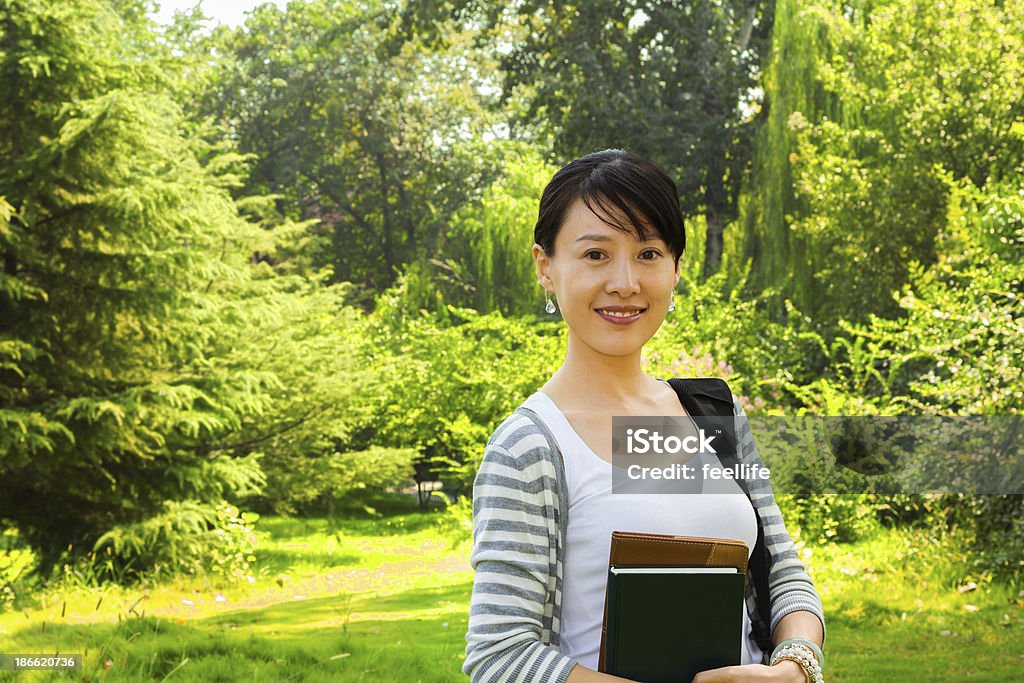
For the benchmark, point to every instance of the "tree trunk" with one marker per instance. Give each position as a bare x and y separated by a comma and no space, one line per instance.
747,28
387,222
422,496
713,243
716,208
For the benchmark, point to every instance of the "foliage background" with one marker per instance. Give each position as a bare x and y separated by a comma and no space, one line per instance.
282,266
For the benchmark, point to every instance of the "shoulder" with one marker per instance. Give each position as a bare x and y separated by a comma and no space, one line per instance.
518,464
521,439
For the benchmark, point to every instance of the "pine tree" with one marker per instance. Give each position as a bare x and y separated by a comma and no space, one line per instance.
119,243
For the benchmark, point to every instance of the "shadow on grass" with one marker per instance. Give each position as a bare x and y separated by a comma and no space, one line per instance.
415,635
282,560
409,521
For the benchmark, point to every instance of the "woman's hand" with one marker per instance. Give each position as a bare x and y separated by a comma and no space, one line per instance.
783,672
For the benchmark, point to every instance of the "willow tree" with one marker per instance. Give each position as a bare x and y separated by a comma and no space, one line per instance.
871,104
801,41
489,263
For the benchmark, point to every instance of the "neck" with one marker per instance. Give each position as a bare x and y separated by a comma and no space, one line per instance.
601,378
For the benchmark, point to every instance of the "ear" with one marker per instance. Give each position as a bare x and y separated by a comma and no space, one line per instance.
543,264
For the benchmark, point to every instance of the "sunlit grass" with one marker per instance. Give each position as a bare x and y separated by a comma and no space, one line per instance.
387,599
413,635
322,589
904,606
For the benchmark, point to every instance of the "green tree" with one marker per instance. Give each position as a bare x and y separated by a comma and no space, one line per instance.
488,263
147,361
356,122
956,349
673,82
119,226
870,105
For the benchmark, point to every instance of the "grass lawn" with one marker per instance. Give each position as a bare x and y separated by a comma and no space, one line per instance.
386,599
895,611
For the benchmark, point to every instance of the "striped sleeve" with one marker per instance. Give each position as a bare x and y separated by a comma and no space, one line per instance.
790,587
515,559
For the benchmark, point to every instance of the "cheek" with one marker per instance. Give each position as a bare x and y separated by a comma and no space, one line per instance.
661,281
579,279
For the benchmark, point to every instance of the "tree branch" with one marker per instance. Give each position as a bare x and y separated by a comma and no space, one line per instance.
743,38
313,412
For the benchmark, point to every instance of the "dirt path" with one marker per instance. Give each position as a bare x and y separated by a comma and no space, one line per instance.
388,577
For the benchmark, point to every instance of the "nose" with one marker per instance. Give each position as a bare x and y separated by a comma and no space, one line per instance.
623,279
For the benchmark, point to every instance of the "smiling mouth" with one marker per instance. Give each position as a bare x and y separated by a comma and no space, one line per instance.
621,314
621,317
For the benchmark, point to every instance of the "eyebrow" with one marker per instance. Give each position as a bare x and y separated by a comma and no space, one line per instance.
648,237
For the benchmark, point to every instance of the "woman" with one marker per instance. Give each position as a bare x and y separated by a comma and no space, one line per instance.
609,237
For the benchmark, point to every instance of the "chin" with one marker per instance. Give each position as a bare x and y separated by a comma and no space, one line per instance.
619,348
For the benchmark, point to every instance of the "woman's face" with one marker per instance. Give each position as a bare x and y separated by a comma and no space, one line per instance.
613,290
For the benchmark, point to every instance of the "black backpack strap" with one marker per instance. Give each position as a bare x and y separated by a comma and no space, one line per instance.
704,395
711,397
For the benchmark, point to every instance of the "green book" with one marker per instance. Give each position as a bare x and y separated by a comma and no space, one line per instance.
667,624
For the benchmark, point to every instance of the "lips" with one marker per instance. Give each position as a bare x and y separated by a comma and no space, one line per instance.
621,315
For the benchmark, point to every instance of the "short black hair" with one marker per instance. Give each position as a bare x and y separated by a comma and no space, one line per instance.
619,178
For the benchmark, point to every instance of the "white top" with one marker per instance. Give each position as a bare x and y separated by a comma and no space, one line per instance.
594,513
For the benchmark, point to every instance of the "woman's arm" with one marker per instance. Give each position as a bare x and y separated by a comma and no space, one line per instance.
790,586
581,674
799,624
514,539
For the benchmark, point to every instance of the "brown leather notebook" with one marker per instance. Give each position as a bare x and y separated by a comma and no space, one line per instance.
634,549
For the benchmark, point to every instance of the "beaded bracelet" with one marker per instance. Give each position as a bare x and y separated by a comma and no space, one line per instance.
802,655
804,641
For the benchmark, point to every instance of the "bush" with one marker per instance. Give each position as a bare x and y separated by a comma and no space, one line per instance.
455,523
994,528
234,542
16,563
445,386
836,518
185,538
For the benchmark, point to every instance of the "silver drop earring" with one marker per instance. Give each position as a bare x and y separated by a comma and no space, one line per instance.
671,305
550,305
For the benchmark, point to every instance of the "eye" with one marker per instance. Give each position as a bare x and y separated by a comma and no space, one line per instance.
588,255
654,253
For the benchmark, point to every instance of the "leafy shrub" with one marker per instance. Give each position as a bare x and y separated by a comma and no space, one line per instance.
837,518
185,538
715,332
455,523
444,387
16,563
955,351
307,478
994,528
234,542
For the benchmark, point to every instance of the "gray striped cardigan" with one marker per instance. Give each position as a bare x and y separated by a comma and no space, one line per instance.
520,509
